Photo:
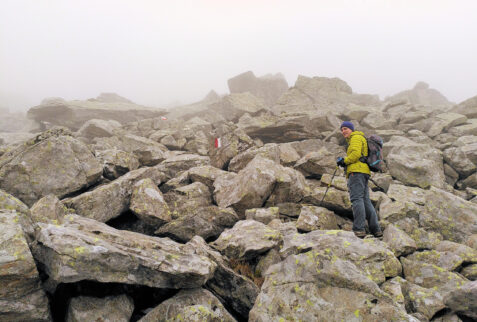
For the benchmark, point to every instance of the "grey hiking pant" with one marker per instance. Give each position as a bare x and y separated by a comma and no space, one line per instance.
362,207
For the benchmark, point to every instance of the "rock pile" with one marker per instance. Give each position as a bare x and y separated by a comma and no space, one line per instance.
222,215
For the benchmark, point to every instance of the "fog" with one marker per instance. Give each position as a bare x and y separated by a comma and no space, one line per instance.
160,53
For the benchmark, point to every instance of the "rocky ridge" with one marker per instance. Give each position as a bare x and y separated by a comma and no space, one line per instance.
221,213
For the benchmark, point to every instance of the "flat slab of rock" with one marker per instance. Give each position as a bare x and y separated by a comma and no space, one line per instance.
190,305
73,114
21,295
84,249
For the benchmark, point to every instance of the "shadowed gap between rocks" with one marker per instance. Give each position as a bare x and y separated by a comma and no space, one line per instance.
129,221
144,297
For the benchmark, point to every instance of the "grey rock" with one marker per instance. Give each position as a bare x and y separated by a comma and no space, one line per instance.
316,218
253,185
190,305
453,217
237,291
399,241
372,257
206,222
431,276
110,200
95,128
268,87
148,203
263,215
56,165
116,162
464,300
21,295
188,199
110,308
247,239
85,249
269,151
48,209
176,164
316,286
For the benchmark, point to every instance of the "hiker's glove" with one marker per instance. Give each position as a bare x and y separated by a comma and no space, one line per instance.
340,162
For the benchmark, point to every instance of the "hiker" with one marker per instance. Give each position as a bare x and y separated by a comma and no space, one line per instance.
358,174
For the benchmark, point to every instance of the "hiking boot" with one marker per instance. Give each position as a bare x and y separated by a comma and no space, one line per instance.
378,234
360,233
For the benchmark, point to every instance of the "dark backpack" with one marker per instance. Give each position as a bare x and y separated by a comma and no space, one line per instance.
375,153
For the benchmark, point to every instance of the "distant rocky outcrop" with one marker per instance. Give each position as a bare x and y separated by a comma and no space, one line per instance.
269,87
421,94
234,210
73,114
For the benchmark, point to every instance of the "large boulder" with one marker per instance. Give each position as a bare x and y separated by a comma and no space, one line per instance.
268,87
254,184
453,217
467,107
421,94
319,285
116,162
85,249
372,257
464,300
431,276
176,164
51,163
21,295
73,114
110,200
312,93
247,239
289,127
233,106
147,202
98,128
417,164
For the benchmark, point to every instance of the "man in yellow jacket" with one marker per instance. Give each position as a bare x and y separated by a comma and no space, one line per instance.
358,174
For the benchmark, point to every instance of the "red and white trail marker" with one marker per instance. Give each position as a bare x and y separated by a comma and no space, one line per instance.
163,118
218,143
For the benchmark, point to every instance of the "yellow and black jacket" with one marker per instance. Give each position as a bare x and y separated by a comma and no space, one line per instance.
357,147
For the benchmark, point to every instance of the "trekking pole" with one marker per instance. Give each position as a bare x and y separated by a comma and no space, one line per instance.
329,185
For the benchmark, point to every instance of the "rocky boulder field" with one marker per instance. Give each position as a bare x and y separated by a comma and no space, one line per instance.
218,211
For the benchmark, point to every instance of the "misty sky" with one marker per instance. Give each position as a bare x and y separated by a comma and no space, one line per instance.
158,52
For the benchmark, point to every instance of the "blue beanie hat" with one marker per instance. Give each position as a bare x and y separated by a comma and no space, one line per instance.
347,124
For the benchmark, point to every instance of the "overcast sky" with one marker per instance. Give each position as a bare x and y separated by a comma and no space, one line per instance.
157,52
